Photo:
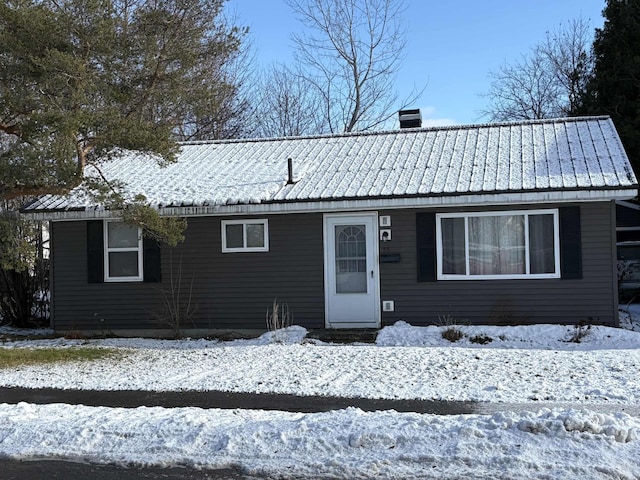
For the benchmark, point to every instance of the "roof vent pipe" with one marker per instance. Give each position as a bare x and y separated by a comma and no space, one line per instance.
290,170
410,118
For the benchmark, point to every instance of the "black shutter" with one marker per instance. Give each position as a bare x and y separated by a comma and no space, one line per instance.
426,246
151,260
570,243
95,251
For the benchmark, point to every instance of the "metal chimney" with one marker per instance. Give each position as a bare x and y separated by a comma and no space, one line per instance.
410,118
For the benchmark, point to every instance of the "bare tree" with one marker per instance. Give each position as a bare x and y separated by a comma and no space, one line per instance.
568,52
226,112
349,57
548,81
287,105
524,90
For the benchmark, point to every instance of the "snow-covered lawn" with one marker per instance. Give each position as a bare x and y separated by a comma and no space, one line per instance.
519,364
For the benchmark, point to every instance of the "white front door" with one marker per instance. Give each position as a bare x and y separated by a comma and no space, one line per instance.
352,287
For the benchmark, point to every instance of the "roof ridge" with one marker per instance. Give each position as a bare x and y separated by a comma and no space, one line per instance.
399,131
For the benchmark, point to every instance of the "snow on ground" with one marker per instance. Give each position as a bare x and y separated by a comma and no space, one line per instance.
349,444
519,364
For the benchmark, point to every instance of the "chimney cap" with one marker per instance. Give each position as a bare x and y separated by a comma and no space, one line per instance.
410,118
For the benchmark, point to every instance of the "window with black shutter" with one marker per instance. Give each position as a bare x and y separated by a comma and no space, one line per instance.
117,252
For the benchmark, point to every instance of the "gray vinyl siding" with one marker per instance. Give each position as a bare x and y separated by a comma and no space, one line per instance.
227,290
504,301
78,305
234,290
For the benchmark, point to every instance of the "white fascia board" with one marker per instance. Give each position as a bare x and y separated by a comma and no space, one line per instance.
468,200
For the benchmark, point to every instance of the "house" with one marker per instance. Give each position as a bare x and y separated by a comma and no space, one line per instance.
502,223
628,220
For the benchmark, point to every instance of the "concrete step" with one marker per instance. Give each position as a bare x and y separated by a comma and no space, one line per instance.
355,335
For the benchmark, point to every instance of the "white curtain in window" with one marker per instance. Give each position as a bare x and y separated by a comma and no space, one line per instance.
453,243
496,245
541,244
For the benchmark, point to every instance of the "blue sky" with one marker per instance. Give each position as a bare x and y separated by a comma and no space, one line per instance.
452,45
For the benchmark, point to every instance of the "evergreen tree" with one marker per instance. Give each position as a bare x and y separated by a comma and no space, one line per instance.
80,79
614,88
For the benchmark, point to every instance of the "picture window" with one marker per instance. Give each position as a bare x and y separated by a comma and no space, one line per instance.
498,245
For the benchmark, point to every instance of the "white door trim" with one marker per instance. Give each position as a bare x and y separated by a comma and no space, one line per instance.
372,298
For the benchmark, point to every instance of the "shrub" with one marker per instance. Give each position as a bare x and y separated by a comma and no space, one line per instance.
452,334
502,313
279,318
177,308
481,339
581,330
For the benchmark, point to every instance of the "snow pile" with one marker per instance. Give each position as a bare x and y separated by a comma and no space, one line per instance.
556,337
340,444
292,335
551,424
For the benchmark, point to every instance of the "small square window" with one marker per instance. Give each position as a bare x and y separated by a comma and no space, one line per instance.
245,236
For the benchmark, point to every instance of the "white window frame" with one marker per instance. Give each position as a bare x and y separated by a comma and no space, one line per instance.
526,214
107,250
244,222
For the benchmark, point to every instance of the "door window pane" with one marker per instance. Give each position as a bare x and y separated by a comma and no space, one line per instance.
351,258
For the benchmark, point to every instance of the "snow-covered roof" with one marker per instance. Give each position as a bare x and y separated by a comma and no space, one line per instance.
549,160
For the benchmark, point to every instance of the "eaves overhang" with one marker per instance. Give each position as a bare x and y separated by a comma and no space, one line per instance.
449,200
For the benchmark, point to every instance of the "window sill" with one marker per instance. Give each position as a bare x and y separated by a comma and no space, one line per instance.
545,276
123,280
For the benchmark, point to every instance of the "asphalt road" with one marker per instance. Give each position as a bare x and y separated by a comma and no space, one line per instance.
228,400
61,470
276,401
